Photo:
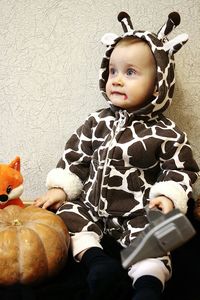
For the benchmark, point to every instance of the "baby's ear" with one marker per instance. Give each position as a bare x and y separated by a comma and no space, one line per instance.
109,38
155,92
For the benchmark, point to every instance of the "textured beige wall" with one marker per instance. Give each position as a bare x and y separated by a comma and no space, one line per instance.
50,53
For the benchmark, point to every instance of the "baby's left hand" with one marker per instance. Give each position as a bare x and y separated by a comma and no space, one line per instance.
163,203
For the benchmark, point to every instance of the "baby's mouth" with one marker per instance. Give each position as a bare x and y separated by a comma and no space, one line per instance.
120,94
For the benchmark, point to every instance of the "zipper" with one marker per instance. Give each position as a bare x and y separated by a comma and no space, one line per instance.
120,125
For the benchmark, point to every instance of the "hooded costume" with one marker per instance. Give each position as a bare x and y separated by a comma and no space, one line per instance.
117,160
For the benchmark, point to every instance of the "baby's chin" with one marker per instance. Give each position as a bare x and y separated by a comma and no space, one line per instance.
125,105
119,99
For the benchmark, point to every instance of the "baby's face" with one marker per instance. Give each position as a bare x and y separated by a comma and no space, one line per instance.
132,75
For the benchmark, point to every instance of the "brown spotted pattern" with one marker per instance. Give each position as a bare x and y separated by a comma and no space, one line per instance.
119,156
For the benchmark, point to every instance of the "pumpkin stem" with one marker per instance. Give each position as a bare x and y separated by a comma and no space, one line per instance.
16,222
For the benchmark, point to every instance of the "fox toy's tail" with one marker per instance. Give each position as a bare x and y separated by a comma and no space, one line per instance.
11,184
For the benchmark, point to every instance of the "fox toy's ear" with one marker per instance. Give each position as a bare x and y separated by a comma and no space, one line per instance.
15,164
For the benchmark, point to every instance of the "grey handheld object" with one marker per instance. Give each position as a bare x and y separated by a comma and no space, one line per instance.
164,233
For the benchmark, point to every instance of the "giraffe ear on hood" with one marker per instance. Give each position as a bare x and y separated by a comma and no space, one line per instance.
172,46
109,38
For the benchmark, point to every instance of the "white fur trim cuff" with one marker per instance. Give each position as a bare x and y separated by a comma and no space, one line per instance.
84,240
66,180
173,191
149,266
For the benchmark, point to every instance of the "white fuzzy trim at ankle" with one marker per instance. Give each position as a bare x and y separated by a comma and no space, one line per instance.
66,180
81,241
173,191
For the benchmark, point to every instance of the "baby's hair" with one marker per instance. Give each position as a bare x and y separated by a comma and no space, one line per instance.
129,40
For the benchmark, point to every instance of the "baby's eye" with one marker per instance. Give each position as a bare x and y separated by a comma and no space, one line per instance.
130,71
112,71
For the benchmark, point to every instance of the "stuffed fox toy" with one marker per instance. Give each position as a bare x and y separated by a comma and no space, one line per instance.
11,184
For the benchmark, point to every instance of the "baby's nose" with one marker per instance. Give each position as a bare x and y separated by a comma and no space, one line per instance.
118,82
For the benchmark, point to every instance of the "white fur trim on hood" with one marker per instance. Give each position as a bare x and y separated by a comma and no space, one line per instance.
173,191
65,179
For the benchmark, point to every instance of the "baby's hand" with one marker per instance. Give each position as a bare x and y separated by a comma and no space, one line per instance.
53,199
163,203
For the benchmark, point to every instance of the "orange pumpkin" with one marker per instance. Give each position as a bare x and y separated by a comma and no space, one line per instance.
34,244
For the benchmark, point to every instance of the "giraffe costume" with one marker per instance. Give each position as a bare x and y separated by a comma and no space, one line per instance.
117,160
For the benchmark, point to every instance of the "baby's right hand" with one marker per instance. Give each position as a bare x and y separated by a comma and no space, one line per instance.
53,199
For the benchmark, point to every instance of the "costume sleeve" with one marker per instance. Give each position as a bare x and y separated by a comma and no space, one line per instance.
179,171
73,167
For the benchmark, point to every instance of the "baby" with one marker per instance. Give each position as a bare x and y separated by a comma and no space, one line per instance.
124,157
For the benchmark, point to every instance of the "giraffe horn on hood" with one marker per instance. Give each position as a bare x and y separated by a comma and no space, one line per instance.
172,22
125,20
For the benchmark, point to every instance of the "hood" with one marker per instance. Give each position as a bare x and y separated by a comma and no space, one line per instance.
163,50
